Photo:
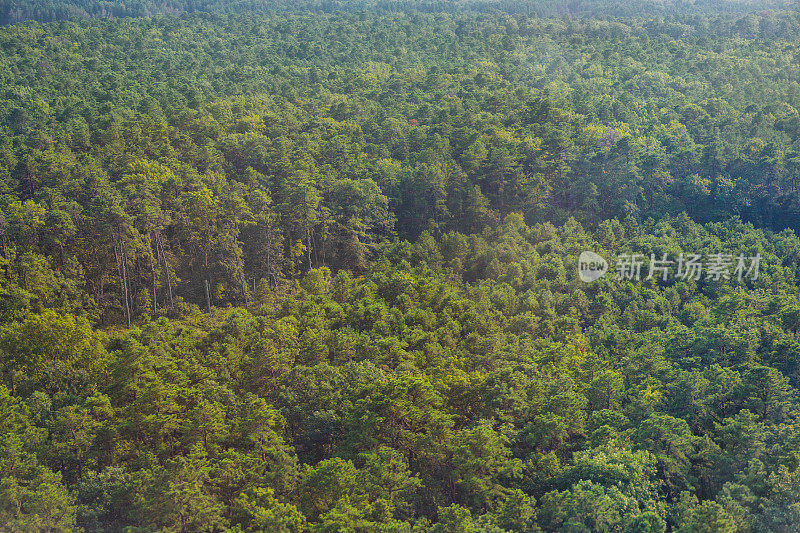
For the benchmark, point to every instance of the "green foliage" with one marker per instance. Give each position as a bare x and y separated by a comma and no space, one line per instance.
297,271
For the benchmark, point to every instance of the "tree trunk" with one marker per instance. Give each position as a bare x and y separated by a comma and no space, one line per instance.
123,281
208,287
308,228
153,262
163,256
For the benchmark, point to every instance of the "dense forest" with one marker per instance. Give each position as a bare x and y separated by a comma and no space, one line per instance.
280,267
14,11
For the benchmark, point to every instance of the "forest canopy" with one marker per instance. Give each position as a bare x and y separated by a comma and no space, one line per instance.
14,11
314,267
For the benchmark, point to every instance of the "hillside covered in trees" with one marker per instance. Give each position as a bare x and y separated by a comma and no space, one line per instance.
291,268
14,11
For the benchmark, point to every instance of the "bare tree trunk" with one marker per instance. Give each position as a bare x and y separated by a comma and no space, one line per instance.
270,273
153,263
240,271
163,256
155,296
123,281
308,228
119,270
208,287
308,247
101,298
125,278
3,229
